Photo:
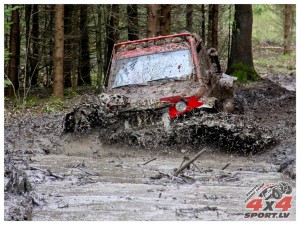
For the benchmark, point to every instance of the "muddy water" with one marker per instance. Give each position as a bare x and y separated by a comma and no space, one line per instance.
103,183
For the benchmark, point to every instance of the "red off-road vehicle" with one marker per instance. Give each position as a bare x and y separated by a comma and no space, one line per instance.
157,90
161,78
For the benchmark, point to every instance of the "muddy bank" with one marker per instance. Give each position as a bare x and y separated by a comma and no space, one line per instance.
109,183
274,107
26,134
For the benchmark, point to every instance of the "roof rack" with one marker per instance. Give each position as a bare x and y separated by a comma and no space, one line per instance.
151,39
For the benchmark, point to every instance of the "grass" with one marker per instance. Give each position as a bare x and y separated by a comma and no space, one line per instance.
48,104
272,59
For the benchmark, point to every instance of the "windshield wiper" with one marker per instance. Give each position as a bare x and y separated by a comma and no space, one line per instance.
165,78
130,85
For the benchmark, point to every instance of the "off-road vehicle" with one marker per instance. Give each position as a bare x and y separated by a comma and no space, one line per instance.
166,77
162,85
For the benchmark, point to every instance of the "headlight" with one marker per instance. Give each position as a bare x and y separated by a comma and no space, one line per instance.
180,106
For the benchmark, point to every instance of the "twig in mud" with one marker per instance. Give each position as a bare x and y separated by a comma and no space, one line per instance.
189,177
224,167
171,176
149,161
48,172
196,167
85,171
189,162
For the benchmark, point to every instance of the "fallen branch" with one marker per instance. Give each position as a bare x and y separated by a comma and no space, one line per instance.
47,172
149,161
189,162
226,166
184,159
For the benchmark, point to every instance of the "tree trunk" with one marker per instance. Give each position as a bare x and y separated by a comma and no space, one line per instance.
189,17
58,81
165,20
14,49
28,12
99,46
213,26
133,22
74,47
240,62
287,29
35,46
203,36
50,26
113,34
152,20
68,10
84,76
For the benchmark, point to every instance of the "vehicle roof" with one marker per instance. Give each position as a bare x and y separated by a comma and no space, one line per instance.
152,39
125,50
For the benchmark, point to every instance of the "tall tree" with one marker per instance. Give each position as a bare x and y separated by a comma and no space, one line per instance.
287,29
58,81
165,19
240,62
35,46
99,45
67,46
49,30
203,23
213,18
14,49
112,33
84,76
189,17
153,13
28,12
133,22
74,47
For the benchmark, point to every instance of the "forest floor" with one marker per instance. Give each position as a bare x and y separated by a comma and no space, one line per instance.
76,177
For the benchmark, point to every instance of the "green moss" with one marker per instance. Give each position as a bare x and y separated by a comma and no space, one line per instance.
53,104
69,92
243,72
32,101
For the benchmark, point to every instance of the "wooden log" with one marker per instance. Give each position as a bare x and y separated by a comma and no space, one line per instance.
189,162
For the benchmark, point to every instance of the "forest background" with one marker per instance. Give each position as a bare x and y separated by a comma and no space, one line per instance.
38,55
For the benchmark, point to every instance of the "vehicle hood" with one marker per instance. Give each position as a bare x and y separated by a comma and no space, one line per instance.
148,97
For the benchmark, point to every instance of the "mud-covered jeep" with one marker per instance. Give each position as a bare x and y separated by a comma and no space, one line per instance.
157,90
166,77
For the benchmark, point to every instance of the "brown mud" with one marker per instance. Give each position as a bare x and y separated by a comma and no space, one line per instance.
77,177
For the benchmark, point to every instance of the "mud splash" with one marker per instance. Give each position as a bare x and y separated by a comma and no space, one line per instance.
220,130
223,130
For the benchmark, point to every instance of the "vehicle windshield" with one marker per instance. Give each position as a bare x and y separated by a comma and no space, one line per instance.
142,69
